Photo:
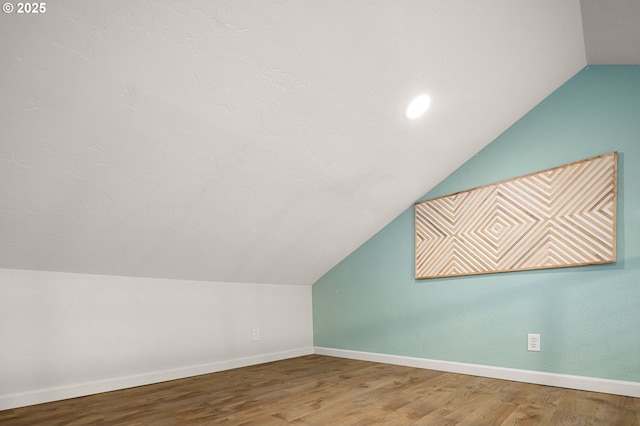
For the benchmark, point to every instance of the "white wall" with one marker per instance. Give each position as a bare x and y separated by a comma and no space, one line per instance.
63,335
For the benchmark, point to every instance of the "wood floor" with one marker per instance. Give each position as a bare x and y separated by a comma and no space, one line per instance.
319,390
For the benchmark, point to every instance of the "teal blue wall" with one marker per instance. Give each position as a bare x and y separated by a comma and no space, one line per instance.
588,317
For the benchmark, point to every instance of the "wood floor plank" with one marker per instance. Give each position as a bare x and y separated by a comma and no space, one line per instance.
320,390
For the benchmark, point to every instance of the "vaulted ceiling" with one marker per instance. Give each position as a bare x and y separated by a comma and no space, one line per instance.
259,141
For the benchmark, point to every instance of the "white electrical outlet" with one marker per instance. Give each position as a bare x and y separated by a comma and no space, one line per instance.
533,342
256,334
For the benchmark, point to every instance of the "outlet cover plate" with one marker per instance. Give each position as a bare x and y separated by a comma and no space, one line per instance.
533,342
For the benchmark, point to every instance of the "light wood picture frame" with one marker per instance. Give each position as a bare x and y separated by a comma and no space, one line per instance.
560,217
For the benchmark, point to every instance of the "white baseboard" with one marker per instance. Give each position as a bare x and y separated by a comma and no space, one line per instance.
40,396
617,387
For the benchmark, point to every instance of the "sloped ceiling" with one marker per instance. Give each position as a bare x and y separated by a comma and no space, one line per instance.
250,141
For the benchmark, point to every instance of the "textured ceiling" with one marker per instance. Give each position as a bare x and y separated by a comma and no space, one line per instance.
611,31
250,141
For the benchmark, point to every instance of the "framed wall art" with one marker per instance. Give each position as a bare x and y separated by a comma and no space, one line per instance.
560,217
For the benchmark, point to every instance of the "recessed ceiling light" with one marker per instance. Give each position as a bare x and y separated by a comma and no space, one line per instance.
417,107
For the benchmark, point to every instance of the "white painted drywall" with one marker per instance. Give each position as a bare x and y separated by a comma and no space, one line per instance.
258,141
64,335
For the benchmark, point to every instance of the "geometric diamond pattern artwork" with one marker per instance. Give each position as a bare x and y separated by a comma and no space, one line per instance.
565,216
